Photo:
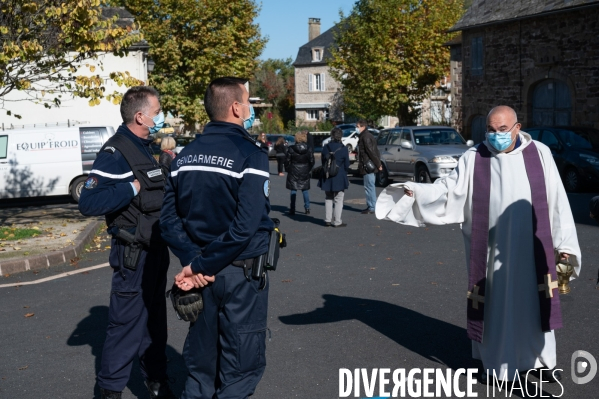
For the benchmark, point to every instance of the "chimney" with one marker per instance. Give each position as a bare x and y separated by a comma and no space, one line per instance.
313,28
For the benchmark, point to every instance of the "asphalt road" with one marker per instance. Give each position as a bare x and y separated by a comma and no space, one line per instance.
372,295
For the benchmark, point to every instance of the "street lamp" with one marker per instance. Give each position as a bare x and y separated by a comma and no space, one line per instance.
151,65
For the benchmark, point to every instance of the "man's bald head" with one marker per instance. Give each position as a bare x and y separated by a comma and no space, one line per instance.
503,109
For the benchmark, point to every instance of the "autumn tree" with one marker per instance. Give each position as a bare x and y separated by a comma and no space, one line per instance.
193,42
44,44
390,53
274,81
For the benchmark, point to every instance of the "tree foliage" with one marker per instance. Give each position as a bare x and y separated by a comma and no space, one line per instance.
45,43
274,81
389,54
192,42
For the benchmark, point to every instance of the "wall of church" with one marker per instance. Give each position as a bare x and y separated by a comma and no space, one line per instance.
516,56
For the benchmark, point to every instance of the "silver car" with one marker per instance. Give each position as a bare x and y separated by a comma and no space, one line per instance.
421,153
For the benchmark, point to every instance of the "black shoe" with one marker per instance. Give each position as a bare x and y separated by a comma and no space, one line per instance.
107,394
307,211
482,377
550,376
340,225
159,389
292,212
327,224
367,212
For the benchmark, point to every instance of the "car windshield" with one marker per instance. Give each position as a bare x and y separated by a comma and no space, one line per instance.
579,139
437,136
348,132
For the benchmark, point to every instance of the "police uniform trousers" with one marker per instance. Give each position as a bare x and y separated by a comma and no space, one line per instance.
136,318
225,348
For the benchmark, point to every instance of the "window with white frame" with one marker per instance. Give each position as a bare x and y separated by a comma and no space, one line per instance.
317,54
312,115
316,82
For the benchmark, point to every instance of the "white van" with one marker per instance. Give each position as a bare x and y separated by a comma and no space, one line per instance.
48,161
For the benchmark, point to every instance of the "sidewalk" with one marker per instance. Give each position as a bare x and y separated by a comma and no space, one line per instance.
64,233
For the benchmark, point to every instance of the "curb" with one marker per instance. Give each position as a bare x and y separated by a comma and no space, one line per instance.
55,258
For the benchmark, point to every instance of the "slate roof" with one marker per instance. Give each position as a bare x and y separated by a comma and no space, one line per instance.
326,40
486,12
125,18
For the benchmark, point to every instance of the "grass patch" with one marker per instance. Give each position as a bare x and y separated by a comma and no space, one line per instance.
13,233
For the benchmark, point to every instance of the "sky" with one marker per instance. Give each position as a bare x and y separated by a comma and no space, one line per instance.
285,22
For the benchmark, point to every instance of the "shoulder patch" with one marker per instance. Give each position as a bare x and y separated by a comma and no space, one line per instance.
110,149
90,183
267,188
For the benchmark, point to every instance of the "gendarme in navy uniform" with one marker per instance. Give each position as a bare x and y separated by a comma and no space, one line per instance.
215,220
126,185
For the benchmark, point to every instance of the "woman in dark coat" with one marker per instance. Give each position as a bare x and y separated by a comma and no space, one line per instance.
335,186
299,163
281,150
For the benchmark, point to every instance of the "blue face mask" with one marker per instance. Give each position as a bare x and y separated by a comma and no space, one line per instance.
158,123
501,141
249,122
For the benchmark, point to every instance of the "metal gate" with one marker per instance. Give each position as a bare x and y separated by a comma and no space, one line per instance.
551,104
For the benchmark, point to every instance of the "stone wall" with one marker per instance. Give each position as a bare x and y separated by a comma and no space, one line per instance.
456,86
519,55
303,95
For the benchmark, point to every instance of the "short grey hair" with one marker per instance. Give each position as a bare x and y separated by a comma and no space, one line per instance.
136,100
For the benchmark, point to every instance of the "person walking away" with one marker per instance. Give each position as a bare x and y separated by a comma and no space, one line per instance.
335,186
299,163
281,150
369,151
167,145
126,185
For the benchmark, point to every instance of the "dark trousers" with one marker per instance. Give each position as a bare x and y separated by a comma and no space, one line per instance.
136,318
225,348
280,162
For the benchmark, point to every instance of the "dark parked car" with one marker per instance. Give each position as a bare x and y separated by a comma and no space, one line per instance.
424,153
575,151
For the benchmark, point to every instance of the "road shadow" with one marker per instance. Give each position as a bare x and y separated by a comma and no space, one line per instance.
436,340
439,341
299,216
92,331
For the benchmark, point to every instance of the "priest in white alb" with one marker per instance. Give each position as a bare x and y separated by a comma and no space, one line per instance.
517,224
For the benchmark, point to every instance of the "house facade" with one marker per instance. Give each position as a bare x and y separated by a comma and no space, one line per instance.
541,57
74,111
317,93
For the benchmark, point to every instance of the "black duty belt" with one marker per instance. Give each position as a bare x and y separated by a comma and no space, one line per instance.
253,268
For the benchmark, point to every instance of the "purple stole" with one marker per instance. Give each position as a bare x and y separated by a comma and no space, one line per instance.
551,316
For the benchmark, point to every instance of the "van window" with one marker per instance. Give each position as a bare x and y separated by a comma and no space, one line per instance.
91,140
3,146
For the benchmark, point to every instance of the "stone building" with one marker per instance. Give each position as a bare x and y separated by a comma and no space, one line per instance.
317,93
540,57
